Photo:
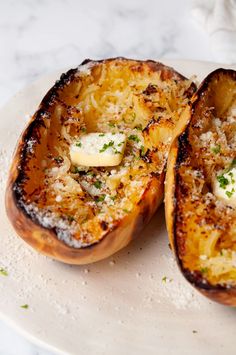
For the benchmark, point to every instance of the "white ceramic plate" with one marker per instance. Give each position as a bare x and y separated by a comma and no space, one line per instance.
117,306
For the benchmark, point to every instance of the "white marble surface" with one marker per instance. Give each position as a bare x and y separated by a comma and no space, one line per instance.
39,36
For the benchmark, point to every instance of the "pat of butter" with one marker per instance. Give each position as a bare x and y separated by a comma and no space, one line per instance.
224,186
98,149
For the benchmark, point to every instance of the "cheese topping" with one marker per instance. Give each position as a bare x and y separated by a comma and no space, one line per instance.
224,186
98,149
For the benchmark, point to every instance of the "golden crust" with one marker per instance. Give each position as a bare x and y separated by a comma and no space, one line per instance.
193,214
27,178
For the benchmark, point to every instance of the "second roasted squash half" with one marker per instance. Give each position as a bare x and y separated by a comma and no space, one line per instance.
200,192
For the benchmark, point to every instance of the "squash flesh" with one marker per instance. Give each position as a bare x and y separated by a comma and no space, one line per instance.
205,224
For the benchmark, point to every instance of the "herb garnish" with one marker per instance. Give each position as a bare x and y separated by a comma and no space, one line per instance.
216,149
75,170
78,144
25,306
134,138
106,146
229,193
232,177
139,127
101,134
223,181
111,124
204,270
83,129
164,278
142,150
120,144
3,272
100,198
97,184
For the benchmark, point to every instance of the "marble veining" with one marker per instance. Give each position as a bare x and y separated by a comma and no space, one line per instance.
37,37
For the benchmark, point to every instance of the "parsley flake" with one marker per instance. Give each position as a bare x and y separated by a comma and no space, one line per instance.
204,270
97,184
229,193
216,149
106,146
223,181
142,150
3,272
78,144
25,306
100,198
139,127
134,138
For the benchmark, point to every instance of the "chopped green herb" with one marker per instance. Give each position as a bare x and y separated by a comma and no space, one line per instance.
120,144
25,306
223,181
106,146
139,127
90,173
164,279
216,149
3,272
232,177
78,144
116,151
100,198
75,170
113,198
204,270
110,124
97,184
233,162
229,193
83,129
134,138
101,134
125,210
142,150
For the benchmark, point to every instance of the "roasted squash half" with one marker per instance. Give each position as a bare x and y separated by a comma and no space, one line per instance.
199,191
80,214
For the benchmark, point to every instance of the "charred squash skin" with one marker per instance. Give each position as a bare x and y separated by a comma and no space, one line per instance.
181,154
45,240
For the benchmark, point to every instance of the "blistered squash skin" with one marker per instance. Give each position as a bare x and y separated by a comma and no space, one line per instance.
24,180
216,92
